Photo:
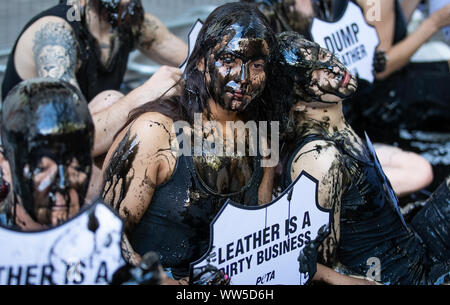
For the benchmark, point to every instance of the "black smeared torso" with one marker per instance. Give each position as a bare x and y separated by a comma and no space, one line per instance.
369,225
92,77
177,222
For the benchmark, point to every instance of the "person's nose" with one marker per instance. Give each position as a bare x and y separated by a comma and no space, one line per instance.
62,182
243,75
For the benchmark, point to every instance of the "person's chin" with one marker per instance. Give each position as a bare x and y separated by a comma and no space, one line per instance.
236,105
347,91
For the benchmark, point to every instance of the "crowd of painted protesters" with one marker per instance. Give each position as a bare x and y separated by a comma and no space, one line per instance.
70,138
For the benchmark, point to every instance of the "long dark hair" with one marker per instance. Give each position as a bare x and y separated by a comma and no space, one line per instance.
195,95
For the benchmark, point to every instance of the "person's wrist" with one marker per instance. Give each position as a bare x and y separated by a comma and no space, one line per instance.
433,23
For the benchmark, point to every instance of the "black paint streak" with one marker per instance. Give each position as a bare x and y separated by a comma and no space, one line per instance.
118,170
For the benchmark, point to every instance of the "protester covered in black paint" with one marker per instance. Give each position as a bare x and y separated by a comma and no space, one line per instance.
167,201
406,98
367,221
408,171
409,99
87,43
47,132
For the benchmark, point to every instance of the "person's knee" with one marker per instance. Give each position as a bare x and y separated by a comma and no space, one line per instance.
104,100
407,171
425,169
417,170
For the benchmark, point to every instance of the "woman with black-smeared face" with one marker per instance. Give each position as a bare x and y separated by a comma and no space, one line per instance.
47,132
58,189
224,80
324,78
366,219
236,72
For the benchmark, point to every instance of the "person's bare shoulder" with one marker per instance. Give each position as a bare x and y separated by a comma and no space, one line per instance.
155,136
154,123
317,158
323,161
139,159
48,48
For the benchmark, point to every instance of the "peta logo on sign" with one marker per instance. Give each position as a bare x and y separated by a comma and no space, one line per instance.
260,245
84,250
351,39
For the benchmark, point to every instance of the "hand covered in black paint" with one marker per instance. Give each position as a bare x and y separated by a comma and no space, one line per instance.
379,61
308,255
148,272
209,275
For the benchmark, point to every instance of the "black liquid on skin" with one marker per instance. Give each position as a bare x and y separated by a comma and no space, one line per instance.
46,119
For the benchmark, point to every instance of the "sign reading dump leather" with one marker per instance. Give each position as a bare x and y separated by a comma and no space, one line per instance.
351,39
260,245
84,250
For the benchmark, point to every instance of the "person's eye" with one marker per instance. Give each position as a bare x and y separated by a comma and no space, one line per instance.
258,65
228,59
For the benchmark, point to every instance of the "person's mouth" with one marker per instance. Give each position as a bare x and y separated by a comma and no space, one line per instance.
345,79
237,101
238,95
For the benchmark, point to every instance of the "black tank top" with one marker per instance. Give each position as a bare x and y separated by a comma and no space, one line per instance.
177,222
370,227
92,76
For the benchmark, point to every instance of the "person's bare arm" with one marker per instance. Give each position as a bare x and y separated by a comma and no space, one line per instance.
322,160
138,161
399,55
159,44
55,50
408,8
265,189
110,120
331,277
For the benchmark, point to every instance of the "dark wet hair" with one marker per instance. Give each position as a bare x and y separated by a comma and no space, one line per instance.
195,95
127,18
294,69
283,16
276,12
44,111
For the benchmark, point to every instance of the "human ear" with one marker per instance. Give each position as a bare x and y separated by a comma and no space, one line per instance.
201,64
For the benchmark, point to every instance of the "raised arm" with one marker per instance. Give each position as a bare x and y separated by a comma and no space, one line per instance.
399,55
55,50
110,120
158,43
322,160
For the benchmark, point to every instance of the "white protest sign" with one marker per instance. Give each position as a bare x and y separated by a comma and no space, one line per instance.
84,250
260,245
351,39
192,38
